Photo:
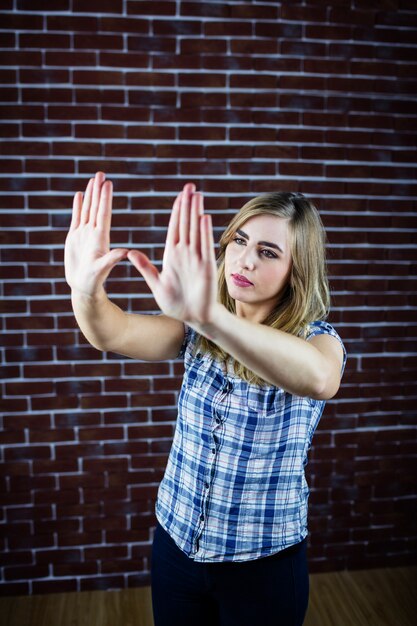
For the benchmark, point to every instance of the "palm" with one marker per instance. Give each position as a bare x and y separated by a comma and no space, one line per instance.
178,292
84,247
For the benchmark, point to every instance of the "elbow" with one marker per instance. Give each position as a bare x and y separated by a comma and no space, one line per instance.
326,383
325,388
321,395
102,346
95,343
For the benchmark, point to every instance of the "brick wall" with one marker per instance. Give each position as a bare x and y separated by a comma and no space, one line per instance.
241,98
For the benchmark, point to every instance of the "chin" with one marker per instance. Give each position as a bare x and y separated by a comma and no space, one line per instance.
239,297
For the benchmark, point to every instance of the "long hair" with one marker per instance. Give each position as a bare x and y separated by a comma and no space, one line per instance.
306,297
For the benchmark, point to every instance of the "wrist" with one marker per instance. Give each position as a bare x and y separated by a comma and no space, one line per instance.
212,325
95,297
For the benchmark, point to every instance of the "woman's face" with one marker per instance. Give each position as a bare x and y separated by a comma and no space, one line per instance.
258,265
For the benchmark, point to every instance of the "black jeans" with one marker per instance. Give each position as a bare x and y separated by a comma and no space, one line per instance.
271,591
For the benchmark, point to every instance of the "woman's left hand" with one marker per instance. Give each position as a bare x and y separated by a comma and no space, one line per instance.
186,288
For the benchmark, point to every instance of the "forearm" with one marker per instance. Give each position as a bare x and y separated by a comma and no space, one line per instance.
281,359
98,318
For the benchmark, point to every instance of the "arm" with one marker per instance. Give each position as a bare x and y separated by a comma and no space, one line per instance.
305,368
108,328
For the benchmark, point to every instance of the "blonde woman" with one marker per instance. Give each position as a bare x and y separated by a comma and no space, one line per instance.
260,362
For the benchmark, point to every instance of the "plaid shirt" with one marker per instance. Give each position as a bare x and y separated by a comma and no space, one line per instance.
234,487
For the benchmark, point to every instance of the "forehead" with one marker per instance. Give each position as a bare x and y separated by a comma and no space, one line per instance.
267,227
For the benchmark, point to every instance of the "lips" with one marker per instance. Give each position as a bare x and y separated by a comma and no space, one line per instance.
241,281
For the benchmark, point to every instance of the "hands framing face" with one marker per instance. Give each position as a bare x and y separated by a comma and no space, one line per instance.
185,289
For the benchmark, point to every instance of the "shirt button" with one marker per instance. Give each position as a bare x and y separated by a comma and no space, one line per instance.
218,420
202,518
213,450
207,485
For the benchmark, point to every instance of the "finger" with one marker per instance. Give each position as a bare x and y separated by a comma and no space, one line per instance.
76,210
87,202
145,267
207,239
98,183
189,188
197,210
103,219
173,234
109,260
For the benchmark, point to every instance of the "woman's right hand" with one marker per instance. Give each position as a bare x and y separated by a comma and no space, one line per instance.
88,258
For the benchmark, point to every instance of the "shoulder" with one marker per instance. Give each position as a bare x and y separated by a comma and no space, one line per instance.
321,327
189,344
325,338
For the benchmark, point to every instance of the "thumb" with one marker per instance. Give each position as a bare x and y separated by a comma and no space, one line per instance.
109,260
145,267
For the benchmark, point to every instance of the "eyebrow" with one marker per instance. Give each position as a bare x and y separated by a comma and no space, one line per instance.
261,243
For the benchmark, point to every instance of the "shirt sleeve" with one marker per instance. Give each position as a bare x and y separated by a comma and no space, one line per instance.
187,337
324,328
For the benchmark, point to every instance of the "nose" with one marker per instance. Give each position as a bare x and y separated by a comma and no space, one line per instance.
247,258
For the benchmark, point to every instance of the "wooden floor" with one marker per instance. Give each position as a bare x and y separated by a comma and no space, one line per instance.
379,597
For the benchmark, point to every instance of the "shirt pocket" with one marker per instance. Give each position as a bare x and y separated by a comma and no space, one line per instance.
265,425
265,401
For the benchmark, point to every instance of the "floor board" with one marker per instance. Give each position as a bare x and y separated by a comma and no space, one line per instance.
379,597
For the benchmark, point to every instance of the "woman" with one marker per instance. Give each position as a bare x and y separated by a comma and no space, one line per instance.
260,362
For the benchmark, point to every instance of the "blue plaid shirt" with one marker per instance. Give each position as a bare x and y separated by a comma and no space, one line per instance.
234,487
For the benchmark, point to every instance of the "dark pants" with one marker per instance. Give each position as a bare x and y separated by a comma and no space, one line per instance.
271,591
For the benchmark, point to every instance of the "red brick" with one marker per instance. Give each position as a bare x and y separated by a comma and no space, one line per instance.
248,11
148,8
177,27
203,46
151,44
28,571
219,62
72,112
44,40
124,25
130,448
205,9
17,57
89,402
75,569
97,6
91,583
76,539
116,552
101,465
72,23
16,21
100,434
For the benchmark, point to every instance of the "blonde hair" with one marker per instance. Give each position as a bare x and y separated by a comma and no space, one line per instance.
307,296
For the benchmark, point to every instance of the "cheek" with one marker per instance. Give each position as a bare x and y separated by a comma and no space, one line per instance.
228,257
275,277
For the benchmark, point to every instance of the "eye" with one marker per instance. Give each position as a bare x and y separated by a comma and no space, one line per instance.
269,254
